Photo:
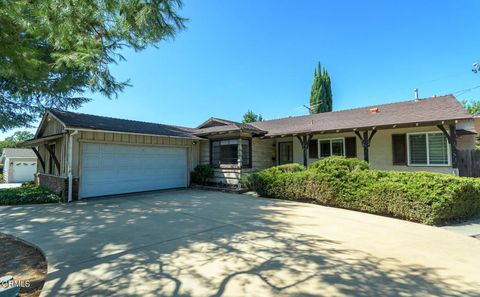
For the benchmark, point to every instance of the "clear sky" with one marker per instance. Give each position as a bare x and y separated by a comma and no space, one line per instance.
261,55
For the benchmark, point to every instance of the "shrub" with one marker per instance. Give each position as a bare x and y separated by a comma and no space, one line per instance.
430,198
246,181
27,194
202,173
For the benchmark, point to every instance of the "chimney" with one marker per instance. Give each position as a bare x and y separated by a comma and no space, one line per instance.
415,91
374,110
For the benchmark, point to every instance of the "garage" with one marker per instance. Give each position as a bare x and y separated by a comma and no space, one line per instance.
108,169
23,171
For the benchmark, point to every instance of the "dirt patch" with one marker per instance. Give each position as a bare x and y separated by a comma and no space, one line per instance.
25,263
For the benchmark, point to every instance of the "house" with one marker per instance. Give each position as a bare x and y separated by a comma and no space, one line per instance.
83,155
19,165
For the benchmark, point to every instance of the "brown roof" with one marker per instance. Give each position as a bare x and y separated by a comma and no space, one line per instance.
222,125
430,110
94,122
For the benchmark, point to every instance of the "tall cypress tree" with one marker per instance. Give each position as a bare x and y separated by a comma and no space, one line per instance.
321,93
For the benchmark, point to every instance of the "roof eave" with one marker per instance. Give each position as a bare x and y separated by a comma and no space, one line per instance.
370,127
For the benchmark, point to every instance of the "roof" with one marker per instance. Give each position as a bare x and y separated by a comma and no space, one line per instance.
434,109
94,122
18,153
216,125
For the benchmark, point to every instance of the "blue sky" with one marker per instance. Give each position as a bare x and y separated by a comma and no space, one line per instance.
260,55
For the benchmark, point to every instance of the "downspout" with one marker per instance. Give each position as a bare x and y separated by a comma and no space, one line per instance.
69,166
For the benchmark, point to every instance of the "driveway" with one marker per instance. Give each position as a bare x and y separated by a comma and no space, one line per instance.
201,243
10,185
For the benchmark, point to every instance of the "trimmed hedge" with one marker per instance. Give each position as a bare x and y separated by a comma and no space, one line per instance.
429,198
28,193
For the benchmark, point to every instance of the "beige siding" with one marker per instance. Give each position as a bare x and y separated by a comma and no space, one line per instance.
131,139
380,152
204,152
52,127
263,153
226,176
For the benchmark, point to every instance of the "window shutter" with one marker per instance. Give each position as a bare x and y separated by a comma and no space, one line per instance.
399,149
350,147
313,149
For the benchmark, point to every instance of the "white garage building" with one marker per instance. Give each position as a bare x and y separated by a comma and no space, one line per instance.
19,165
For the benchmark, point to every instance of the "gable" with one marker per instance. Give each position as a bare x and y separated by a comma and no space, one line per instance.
49,125
213,122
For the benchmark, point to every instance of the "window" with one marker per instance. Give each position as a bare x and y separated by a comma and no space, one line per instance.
428,149
225,152
313,149
332,147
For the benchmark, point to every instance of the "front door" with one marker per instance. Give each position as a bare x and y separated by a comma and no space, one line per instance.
285,153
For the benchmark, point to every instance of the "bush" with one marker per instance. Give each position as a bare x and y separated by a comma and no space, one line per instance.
429,198
202,173
246,181
27,194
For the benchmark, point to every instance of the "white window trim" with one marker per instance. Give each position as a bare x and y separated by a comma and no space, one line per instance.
329,139
449,155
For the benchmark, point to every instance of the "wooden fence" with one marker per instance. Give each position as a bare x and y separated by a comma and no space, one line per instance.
469,163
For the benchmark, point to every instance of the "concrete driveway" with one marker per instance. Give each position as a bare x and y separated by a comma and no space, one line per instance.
200,243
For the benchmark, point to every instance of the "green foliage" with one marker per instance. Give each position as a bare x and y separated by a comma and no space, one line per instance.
202,173
321,93
1,177
20,136
251,117
429,198
28,193
15,139
53,51
472,106
246,181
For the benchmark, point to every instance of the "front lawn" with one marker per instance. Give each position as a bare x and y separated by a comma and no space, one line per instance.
429,198
28,193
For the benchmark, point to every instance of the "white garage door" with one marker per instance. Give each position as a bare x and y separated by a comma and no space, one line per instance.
117,169
23,171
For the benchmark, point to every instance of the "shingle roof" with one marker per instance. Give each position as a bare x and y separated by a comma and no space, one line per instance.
430,110
229,126
435,109
18,153
94,122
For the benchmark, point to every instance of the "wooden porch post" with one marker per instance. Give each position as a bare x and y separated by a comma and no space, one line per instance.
452,140
54,157
34,149
304,141
366,140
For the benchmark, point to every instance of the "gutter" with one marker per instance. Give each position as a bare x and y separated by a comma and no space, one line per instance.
69,165
70,128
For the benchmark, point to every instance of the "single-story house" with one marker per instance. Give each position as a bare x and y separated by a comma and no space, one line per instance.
19,165
82,155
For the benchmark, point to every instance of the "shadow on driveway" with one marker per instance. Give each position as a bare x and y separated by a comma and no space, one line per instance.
200,243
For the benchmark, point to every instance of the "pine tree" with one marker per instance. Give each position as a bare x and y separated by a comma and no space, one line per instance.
321,93
53,52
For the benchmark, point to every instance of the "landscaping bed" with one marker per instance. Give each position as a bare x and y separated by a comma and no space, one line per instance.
429,198
28,193
25,263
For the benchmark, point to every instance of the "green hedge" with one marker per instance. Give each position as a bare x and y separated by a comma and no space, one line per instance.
27,194
429,198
